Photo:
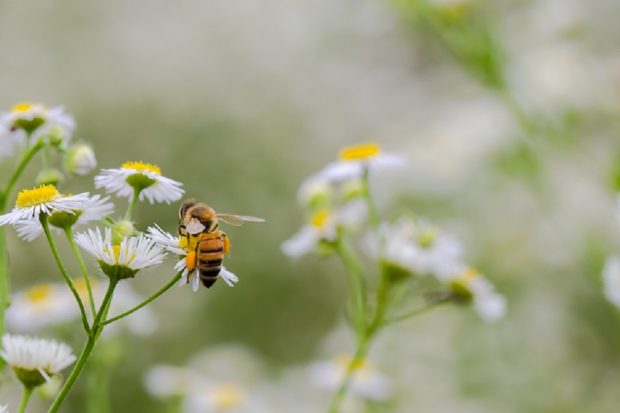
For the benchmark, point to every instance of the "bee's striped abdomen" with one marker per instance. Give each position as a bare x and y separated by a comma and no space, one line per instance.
210,256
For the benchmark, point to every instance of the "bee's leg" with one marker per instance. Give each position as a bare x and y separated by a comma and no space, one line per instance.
226,243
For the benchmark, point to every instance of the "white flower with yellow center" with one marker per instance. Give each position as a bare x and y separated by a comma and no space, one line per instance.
322,227
182,247
366,381
46,199
355,160
123,260
92,208
218,398
34,360
611,280
41,306
470,286
37,120
139,176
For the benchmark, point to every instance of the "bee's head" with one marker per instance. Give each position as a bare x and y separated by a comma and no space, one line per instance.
185,206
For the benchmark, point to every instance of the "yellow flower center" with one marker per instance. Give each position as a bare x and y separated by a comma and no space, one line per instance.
227,397
21,107
39,293
36,196
360,152
142,166
468,276
319,219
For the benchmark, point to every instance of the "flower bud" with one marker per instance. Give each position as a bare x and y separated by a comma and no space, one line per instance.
121,230
80,160
49,176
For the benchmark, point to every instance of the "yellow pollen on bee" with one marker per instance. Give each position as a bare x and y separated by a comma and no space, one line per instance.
39,293
227,396
190,261
468,275
36,196
21,107
319,219
359,152
142,166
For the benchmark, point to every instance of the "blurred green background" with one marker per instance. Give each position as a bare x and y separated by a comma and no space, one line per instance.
507,111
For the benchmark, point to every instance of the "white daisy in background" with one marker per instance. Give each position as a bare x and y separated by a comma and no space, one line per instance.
366,382
355,160
469,285
184,247
611,280
417,247
42,200
41,306
92,208
322,227
216,398
165,381
9,142
140,176
34,360
38,120
125,259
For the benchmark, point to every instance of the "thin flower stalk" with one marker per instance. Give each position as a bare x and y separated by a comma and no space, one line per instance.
85,276
25,398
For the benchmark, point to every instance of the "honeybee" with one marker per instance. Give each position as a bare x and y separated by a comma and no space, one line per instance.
206,244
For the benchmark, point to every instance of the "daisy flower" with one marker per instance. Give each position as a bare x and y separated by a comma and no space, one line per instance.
366,381
139,176
91,208
322,227
164,381
36,120
34,360
123,260
611,280
218,398
354,160
182,246
41,306
417,248
471,286
45,199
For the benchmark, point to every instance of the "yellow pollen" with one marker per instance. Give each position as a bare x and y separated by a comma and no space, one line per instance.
21,107
319,219
468,275
228,397
39,293
360,152
142,166
36,196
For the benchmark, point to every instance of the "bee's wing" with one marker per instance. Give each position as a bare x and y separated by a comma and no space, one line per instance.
237,220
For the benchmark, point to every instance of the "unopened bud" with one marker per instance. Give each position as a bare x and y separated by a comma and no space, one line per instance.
80,160
121,230
49,176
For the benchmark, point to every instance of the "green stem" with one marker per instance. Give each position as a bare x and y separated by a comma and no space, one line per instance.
21,165
78,257
63,271
358,357
356,284
373,213
418,311
86,351
132,204
25,398
162,290
383,293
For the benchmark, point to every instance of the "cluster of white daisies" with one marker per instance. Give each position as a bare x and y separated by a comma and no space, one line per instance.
336,203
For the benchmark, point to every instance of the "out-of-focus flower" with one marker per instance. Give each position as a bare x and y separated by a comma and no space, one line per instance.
41,306
80,159
611,280
416,247
470,286
164,381
42,200
218,398
122,260
92,208
322,227
139,176
366,381
37,120
355,160
184,247
34,360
